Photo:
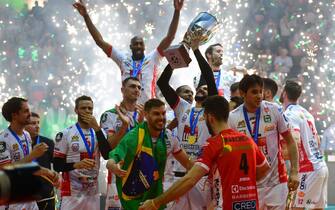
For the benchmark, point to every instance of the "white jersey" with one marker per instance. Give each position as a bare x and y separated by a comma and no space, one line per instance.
191,143
272,123
10,152
70,145
111,122
310,158
147,75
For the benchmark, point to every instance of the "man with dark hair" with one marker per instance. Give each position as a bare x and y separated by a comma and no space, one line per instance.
222,151
15,142
223,78
139,159
313,171
262,121
47,193
270,89
235,102
137,64
119,121
192,130
76,154
234,90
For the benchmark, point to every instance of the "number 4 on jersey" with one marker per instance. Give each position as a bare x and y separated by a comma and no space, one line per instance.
244,163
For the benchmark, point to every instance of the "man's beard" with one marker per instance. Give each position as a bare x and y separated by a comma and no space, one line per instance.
210,129
200,98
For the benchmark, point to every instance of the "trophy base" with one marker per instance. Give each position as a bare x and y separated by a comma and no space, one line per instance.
178,56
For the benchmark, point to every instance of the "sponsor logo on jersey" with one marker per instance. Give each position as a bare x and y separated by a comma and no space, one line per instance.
15,147
75,147
267,118
303,182
103,118
270,127
266,109
245,205
59,136
74,138
241,124
2,147
300,201
234,189
301,194
17,156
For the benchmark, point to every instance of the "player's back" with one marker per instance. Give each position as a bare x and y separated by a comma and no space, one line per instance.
310,158
237,166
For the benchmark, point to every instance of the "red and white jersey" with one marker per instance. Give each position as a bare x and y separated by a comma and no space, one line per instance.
236,157
71,146
148,75
272,124
190,143
10,152
10,149
111,122
310,158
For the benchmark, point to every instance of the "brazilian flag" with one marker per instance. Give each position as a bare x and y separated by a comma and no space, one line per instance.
144,163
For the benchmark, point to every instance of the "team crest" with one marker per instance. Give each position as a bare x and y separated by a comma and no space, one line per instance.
184,118
75,147
267,118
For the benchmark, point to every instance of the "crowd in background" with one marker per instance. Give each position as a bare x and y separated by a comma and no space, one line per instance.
37,61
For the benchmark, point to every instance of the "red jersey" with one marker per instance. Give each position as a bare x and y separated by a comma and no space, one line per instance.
236,156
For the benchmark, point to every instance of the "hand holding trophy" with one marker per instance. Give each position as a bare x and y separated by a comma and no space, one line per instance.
200,29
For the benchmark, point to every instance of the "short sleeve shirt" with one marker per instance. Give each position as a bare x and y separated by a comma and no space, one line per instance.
236,156
272,124
71,146
189,141
310,158
148,75
10,149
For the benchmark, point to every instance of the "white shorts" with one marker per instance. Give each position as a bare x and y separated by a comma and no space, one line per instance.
312,191
198,198
112,197
83,202
26,206
274,197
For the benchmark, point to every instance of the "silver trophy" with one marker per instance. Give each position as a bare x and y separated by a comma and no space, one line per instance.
202,27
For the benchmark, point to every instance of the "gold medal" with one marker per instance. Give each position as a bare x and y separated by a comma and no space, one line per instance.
191,139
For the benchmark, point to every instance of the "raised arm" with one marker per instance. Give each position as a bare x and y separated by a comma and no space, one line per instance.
106,47
206,71
167,40
168,92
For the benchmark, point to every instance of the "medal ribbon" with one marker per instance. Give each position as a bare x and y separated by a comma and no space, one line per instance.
134,120
137,68
217,77
89,151
255,132
25,151
194,120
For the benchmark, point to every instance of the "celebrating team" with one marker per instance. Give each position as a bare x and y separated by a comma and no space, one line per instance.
227,159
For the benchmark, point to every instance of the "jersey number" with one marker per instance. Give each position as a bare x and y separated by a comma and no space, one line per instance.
244,163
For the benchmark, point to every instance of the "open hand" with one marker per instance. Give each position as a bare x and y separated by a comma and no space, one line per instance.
80,6
178,4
